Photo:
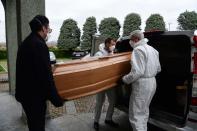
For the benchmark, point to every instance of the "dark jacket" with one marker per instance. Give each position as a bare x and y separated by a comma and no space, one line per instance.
34,79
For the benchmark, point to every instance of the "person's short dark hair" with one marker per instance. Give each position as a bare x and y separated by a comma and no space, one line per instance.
37,22
108,40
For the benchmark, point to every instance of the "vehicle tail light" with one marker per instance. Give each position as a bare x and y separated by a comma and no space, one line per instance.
195,38
194,96
195,41
195,63
194,89
194,101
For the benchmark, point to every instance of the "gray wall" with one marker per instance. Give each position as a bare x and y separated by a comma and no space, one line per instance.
18,13
11,39
29,9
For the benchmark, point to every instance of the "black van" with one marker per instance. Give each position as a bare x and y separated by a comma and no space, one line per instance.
174,105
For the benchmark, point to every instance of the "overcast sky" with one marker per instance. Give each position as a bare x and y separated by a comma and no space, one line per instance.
59,10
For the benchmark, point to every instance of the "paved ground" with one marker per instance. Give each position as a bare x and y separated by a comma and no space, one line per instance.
73,116
10,119
3,77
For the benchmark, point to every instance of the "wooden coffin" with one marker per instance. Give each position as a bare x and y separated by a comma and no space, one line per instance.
78,78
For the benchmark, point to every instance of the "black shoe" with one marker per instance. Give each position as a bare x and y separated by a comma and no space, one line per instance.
111,123
96,126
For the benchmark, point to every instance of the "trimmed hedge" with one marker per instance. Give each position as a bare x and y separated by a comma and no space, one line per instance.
61,53
58,53
1,69
3,54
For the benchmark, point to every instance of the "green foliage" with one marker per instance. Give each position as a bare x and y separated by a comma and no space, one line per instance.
89,29
78,48
61,53
69,37
3,54
1,69
109,27
187,20
155,22
132,22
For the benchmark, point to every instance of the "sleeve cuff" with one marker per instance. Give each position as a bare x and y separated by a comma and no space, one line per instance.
124,80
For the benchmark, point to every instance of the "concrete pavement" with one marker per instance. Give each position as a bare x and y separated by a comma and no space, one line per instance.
76,115
10,119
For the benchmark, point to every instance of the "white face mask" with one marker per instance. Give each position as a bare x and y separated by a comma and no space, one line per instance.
48,30
111,48
48,37
131,43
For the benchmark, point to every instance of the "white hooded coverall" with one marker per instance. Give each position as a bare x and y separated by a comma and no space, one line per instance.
144,67
100,97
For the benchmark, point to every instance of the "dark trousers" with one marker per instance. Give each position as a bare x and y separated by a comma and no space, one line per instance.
35,112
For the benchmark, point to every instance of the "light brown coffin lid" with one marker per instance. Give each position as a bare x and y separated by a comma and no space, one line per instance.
79,78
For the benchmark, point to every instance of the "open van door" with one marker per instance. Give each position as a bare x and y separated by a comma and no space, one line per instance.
174,83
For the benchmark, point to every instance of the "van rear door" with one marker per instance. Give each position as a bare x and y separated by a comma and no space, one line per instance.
174,83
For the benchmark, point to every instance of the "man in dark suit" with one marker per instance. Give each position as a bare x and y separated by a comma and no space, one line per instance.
34,79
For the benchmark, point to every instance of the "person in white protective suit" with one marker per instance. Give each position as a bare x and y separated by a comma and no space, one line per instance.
105,49
144,67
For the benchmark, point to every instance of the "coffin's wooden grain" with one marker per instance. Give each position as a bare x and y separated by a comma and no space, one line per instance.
78,78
